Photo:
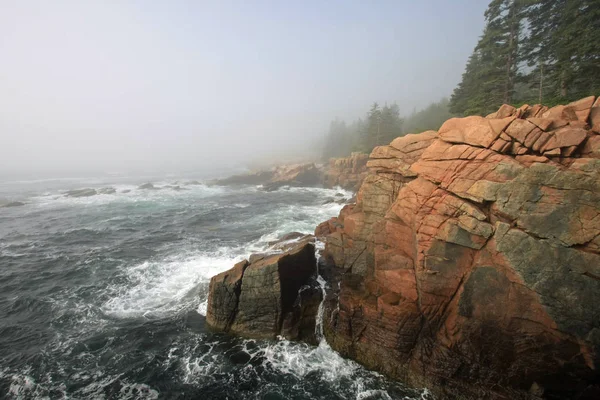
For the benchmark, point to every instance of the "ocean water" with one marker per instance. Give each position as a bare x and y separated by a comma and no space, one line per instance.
104,297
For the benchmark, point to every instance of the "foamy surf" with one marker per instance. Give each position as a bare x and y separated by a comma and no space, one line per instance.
105,296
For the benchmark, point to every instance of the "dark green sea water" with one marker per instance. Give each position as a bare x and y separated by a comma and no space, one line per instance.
104,296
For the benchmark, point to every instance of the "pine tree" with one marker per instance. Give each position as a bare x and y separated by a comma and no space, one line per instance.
391,124
490,75
562,49
373,133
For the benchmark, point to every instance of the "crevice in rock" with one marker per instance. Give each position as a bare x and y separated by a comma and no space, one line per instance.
237,291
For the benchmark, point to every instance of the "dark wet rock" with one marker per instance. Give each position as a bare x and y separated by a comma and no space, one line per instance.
251,178
255,299
81,193
176,188
147,186
13,204
125,190
107,190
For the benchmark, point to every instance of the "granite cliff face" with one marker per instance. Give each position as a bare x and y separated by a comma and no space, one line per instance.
470,263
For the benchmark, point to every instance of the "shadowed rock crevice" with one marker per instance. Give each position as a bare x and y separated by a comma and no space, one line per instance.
264,298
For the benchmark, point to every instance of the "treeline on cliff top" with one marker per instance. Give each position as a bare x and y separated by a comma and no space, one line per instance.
531,51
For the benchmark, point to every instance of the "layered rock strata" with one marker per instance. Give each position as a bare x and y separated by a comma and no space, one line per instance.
470,263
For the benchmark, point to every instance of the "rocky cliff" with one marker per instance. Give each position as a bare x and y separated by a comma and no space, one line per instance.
470,263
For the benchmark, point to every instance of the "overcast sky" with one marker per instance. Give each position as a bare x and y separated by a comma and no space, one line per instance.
131,85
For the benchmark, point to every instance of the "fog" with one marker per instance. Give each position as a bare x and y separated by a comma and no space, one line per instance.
139,86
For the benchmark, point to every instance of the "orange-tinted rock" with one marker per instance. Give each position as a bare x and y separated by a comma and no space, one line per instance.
499,125
347,172
475,278
474,131
519,129
505,111
542,123
594,118
592,147
561,112
582,108
565,137
397,158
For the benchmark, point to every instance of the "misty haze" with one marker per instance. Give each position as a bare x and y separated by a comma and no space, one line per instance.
95,87
300,200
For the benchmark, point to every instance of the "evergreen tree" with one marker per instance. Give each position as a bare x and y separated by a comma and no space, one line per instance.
490,75
373,131
391,124
429,118
562,49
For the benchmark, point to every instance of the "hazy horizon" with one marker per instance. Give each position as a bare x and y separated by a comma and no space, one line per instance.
96,87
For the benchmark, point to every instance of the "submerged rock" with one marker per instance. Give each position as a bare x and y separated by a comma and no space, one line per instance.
147,186
107,190
251,178
263,298
81,193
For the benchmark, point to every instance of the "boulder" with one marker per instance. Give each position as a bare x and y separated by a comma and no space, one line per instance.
263,299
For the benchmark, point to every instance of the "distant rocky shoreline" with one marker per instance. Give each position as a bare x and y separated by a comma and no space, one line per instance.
346,172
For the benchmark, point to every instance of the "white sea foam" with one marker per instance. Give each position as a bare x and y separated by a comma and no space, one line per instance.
163,287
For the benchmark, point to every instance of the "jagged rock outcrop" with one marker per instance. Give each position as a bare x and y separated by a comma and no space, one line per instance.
470,263
346,172
272,295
